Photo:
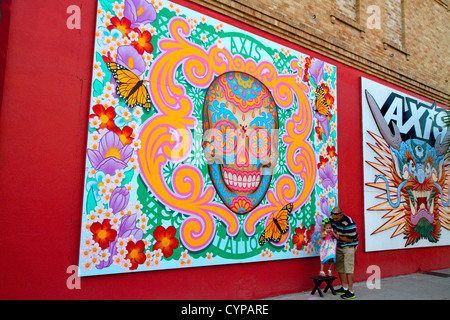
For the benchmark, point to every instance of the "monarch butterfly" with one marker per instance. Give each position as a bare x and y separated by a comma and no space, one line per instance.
277,225
321,104
129,87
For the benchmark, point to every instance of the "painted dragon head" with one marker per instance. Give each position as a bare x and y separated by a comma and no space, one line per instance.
419,176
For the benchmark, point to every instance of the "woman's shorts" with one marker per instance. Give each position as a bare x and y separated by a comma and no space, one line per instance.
345,259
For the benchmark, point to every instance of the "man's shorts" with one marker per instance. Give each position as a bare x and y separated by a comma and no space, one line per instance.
345,259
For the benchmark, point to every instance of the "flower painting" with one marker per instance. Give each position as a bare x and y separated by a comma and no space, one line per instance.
206,144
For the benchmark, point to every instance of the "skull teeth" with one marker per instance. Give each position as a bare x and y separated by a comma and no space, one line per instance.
242,181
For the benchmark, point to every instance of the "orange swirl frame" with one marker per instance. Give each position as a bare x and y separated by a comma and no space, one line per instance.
166,136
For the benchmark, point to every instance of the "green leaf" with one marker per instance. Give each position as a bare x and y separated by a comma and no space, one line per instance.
90,201
98,88
106,5
128,177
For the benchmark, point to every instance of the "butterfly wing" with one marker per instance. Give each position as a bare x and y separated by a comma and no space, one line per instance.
281,220
267,234
143,98
263,238
125,90
276,231
111,66
321,103
129,87
277,226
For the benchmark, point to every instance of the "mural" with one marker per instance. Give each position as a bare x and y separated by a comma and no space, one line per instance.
207,144
407,174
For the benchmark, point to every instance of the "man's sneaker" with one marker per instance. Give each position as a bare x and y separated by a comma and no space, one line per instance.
348,295
341,291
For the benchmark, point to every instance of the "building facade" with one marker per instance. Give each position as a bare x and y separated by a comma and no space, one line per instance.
383,38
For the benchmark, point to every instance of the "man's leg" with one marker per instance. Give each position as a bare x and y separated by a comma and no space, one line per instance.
349,269
343,278
349,265
340,269
350,281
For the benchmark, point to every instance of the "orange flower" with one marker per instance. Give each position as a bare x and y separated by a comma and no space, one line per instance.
124,134
307,62
103,234
323,161
241,205
301,237
136,253
143,42
318,129
306,68
332,151
106,116
165,240
123,25
328,97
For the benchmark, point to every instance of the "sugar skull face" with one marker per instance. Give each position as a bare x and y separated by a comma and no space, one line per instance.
240,141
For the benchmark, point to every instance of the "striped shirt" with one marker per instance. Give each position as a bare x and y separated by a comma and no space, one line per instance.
346,228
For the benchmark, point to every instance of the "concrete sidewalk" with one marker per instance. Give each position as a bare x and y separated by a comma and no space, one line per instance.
432,285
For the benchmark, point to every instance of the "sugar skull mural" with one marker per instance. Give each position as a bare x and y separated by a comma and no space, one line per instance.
207,145
412,171
240,122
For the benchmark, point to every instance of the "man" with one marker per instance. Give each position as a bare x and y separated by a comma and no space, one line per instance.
347,240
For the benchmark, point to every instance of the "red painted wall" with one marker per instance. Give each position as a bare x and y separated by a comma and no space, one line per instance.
4,31
43,134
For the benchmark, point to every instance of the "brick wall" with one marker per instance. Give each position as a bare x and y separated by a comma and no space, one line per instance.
393,24
408,47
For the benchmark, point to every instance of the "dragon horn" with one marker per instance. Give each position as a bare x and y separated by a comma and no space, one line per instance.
441,149
393,139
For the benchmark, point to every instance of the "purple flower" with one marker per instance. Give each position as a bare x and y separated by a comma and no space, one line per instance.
111,155
128,222
318,226
119,199
327,176
316,71
324,207
139,12
323,120
128,57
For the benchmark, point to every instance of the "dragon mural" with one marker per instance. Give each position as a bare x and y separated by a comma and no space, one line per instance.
415,177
